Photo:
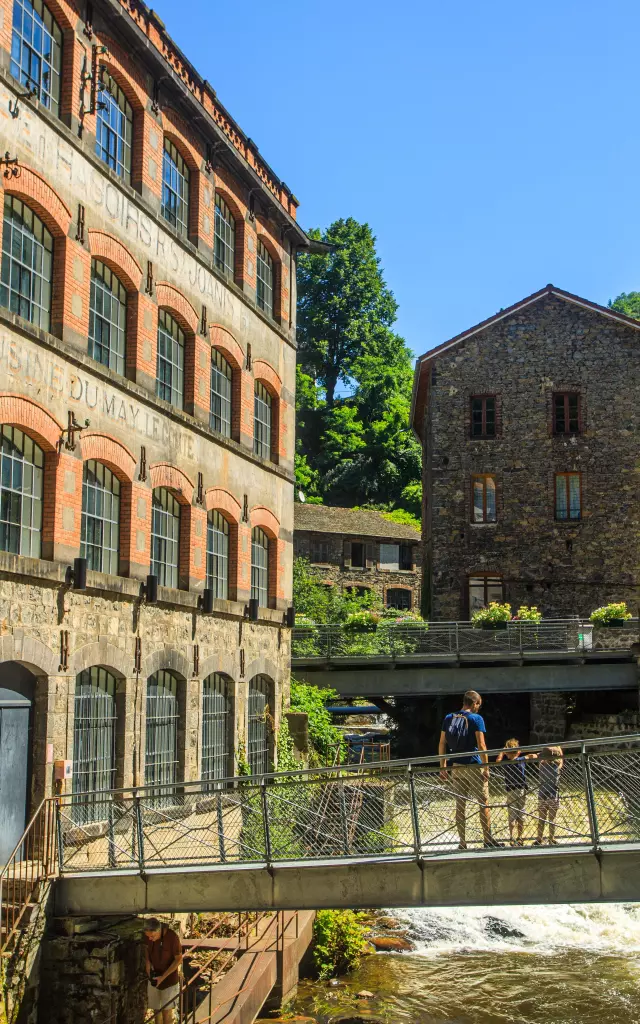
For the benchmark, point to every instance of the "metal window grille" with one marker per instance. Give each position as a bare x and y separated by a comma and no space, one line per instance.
483,590
27,259
94,741
114,127
175,188
100,531
258,746
21,474
224,252
218,554
566,413
36,51
483,416
399,597
221,385
107,317
216,731
484,499
170,371
568,496
161,747
264,280
165,537
262,406
260,566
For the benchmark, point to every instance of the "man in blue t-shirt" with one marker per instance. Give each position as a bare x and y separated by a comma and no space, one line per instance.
462,748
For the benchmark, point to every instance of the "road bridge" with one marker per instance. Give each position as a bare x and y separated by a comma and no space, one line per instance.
351,836
409,659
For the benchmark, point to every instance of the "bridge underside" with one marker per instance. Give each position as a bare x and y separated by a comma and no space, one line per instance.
395,679
466,879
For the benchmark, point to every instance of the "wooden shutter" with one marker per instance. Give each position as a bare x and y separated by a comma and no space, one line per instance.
347,554
370,556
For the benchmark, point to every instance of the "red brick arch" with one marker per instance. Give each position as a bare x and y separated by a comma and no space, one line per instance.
61,14
233,205
176,130
35,420
32,188
223,501
178,305
162,474
227,345
112,453
126,74
272,249
111,251
265,519
264,372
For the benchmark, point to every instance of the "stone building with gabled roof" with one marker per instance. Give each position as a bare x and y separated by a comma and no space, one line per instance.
361,549
530,429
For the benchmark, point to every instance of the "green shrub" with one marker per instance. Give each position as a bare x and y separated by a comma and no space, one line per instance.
528,614
324,737
339,942
601,616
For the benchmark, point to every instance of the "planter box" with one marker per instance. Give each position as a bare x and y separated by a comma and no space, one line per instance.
613,623
493,625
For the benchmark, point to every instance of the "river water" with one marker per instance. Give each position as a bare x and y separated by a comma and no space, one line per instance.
504,965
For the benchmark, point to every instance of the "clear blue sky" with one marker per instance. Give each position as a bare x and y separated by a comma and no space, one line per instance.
492,146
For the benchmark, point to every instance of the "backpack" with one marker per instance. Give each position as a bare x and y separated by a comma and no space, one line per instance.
458,736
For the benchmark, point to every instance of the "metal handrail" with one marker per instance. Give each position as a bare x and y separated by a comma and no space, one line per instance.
29,863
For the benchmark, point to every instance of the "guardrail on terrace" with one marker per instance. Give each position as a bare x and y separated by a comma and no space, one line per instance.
457,640
371,812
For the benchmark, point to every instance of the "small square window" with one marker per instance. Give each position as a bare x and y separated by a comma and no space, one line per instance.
566,412
568,488
483,416
389,557
319,551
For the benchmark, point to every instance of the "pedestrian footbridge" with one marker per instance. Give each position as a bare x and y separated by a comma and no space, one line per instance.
378,835
405,659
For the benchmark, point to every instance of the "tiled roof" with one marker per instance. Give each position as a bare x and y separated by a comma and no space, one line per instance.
351,522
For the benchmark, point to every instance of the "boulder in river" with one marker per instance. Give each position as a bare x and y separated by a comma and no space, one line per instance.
501,930
391,943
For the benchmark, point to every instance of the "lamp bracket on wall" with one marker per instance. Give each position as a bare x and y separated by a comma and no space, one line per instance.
73,428
30,94
10,164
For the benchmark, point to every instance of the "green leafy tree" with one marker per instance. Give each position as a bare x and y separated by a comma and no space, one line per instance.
355,445
627,302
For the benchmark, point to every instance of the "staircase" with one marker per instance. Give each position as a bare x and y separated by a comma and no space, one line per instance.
22,878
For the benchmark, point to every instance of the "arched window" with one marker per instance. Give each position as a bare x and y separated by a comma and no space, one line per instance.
224,251
399,597
264,280
218,554
221,386
94,742
114,127
165,537
260,566
36,49
216,731
100,531
262,409
21,476
27,251
161,747
175,188
170,367
258,732
107,317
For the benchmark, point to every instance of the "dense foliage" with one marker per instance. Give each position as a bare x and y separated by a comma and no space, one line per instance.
323,735
317,602
339,941
627,302
354,380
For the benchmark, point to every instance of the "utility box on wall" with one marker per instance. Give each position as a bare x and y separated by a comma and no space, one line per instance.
62,770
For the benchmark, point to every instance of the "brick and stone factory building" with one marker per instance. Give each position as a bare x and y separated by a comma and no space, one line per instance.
361,550
147,369
530,429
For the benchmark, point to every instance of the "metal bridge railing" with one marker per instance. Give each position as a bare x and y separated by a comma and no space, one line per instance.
366,811
442,640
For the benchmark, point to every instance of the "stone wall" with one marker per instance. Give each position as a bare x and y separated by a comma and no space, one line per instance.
593,726
57,632
548,718
564,567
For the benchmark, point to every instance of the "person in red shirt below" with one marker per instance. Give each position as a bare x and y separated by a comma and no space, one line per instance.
163,956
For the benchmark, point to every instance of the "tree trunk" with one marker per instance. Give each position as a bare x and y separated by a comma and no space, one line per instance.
331,383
